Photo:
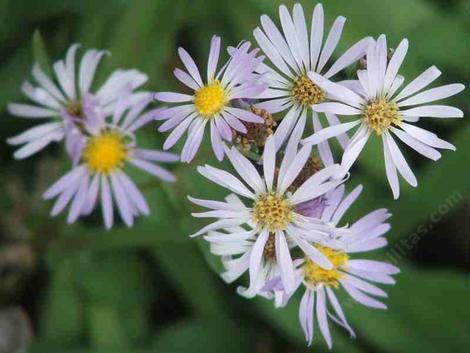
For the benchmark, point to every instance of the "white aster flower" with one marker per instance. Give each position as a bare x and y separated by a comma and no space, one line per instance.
211,101
384,110
104,149
353,275
66,103
235,245
272,213
294,54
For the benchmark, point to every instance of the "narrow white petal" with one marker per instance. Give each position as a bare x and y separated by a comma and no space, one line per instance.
322,317
346,203
316,35
395,64
391,171
226,180
331,42
433,94
340,92
269,162
426,137
287,177
246,170
317,184
400,161
284,262
418,146
349,57
30,111
355,147
256,257
419,83
362,298
324,150
330,132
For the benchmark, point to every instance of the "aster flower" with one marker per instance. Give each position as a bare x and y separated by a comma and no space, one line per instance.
235,250
106,147
353,275
294,54
384,109
66,103
272,214
210,102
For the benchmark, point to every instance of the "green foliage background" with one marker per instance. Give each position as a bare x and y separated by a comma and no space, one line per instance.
150,288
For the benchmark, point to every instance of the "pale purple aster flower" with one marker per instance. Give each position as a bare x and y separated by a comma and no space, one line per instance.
293,54
102,151
385,109
211,101
319,301
272,214
66,102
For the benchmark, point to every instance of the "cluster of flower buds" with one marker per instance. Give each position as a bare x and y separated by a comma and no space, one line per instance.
281,222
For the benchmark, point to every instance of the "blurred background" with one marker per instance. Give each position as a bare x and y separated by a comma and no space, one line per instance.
74,289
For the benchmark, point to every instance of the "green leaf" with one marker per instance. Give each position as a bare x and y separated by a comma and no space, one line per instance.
107,333
62,321
184,266
202,336
40,53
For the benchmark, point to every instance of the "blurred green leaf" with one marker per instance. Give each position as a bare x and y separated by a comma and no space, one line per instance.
107,332
184,267
62,319
200,336
40,53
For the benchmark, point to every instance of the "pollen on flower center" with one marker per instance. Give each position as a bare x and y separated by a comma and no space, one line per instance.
380,114
105,152
75,109
272,212
315,274
210,99
306,92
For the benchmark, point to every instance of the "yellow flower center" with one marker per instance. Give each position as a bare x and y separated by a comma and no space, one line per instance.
380,114
306,92
105,152
315,274
210,99
272,212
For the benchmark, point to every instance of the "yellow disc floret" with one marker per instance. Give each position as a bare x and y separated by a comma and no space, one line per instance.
306,92
380,114
272,212
105,152
315,275
210,99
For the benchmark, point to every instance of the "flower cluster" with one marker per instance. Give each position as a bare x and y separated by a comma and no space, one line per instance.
281,222
99,133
